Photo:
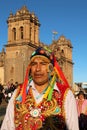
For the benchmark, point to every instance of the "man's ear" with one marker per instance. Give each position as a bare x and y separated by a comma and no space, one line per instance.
50,69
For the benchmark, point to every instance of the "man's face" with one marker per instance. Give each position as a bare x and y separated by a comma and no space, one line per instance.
39,71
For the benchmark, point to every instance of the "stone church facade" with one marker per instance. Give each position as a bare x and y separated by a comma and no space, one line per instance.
23,38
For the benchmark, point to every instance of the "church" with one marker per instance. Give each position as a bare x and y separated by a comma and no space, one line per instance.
23,39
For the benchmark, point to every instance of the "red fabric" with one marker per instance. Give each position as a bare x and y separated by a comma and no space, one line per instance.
60,72
62,89
25,85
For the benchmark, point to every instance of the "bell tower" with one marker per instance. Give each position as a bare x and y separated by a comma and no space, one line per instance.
23,27
23,38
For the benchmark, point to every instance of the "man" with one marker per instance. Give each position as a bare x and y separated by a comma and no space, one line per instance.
44,101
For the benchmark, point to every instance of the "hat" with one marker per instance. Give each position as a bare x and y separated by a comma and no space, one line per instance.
43,52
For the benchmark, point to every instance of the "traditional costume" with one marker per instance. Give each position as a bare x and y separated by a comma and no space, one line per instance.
53,109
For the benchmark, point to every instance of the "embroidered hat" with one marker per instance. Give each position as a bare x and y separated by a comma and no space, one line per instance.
43,52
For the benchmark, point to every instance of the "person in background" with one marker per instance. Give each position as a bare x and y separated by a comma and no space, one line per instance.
82,110
44,101
1,96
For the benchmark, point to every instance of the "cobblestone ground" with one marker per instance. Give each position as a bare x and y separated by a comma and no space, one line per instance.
3,106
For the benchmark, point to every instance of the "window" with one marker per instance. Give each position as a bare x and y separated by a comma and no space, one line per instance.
21,33
14,33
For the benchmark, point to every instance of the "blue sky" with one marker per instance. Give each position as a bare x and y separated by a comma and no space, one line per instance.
67,17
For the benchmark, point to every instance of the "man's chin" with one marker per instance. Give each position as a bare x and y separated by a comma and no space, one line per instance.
39,83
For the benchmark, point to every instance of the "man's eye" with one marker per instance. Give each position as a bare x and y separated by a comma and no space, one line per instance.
33,63
44,63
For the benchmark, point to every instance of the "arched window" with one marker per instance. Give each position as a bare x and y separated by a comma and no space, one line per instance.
21,33
62,51
14,33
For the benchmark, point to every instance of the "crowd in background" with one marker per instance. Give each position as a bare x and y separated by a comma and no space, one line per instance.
6,91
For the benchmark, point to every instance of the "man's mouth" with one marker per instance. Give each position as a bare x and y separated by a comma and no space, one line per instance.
38,75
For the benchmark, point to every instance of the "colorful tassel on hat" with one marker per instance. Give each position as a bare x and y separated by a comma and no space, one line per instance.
48,93
59,72
24,91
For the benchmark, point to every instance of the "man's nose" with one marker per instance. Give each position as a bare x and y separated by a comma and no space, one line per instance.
38,67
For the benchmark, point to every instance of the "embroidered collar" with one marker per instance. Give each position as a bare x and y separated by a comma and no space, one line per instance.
37,96
31,84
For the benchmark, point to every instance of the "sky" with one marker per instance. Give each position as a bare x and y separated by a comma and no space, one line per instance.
67,17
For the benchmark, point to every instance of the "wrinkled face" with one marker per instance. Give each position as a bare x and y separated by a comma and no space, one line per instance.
39,71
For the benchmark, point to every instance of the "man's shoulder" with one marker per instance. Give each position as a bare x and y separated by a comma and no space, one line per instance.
17,91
